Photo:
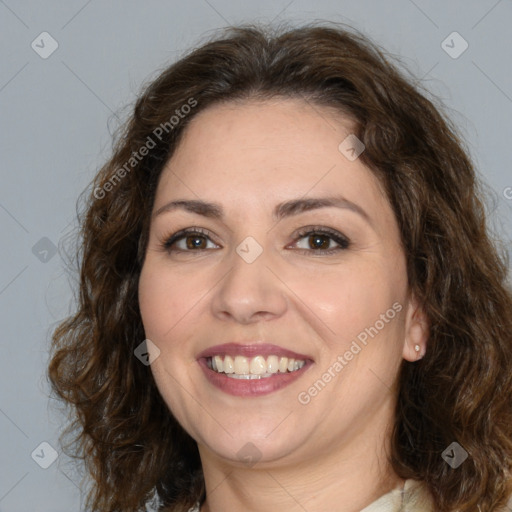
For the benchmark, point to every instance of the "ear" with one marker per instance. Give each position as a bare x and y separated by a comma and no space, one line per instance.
416,331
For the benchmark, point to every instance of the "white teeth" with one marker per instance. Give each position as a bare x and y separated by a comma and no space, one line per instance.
258,365
229,366
272,364
240,367
218,363
248,377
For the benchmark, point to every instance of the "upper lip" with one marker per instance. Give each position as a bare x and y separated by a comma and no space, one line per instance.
251,349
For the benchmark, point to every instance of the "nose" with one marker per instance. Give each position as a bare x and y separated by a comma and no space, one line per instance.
249,292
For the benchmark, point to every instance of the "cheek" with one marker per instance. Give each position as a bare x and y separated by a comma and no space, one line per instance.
164,299
351,298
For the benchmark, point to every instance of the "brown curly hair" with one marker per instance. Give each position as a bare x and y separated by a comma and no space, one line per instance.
460,391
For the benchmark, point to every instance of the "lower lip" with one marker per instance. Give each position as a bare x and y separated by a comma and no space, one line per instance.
251,387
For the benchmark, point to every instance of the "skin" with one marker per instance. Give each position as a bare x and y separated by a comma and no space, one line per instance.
249,156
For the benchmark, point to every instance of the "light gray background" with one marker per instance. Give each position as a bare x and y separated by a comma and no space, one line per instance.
56,117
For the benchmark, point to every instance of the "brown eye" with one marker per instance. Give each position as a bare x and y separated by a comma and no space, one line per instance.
319,241
191,240
195,242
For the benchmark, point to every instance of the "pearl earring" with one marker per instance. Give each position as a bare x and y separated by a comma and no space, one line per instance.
417,348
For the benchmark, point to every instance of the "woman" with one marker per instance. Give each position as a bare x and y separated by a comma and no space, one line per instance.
288,296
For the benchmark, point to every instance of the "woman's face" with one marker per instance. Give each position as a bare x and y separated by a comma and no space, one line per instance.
293,253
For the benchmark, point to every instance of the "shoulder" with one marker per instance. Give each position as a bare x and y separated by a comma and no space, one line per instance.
417,496
414,496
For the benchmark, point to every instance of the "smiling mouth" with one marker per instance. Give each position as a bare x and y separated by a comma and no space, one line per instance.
252,368
258,367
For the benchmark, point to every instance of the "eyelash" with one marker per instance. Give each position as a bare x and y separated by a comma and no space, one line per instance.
342,241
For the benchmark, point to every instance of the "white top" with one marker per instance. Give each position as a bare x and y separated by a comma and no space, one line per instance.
414,495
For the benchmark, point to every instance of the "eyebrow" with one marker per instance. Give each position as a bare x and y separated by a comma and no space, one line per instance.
282,210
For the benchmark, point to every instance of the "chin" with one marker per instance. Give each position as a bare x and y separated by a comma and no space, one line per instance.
260,443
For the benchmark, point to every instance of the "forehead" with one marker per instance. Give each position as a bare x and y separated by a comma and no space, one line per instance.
259,152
